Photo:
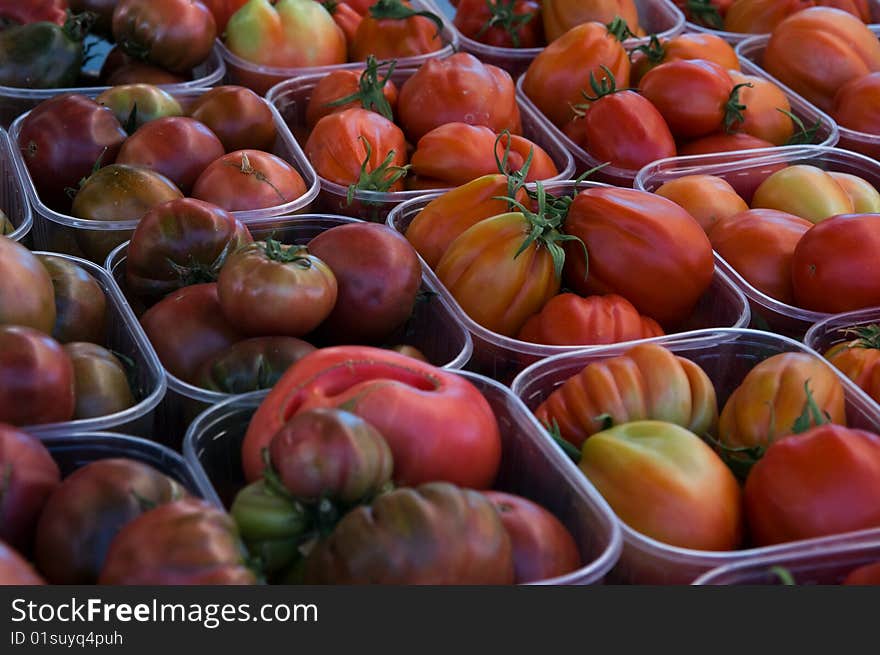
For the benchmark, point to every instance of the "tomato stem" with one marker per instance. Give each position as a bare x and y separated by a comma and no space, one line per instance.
370,91
619,29
868,336
784,575
396,10
246,169
502,14
811,414
77,26
803,135
705,13
571,451
733,109
654,51
279,252
380,178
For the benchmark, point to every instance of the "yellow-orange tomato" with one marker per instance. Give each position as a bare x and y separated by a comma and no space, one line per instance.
705,197
765,113
805,191
761,16
646,382
561,15
765,406
865,198
859,359
691,45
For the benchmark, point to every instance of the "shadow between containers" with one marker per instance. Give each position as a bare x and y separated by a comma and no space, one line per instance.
13,200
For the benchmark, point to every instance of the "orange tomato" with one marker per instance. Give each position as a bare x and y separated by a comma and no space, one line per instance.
761,16
705,197
367,85
859,359
690,45
864,197
857,104
765,109
561,15
384,36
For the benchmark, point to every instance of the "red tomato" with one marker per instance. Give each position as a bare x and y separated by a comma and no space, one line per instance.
690,45
222,11
27,295
237,116
458,89
561,15
722,142
761,16
362,89
100,381
346,18
80,303
857,104
868,574
501,23
392,29
121,68
861,9
34,11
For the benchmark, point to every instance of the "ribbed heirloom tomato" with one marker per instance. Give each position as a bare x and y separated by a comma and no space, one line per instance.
392,29
761,16
369,89
857,104
501,23
858,358
560,16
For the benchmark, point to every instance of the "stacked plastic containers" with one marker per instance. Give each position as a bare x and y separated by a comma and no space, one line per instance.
262,78
62,232
726,356
13,201
433,329
291,98
501,357
751,54
531,466
748,166
660,17
125,337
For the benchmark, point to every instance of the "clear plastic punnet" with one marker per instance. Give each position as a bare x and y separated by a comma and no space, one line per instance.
531,466
125,337
16,101
726,355
262,78
751,54
501,357
64,233
767,313
291,98
13,201
433,329
660,17
826,131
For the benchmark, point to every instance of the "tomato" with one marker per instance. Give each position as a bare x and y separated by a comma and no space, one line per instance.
346,146
345,17
35,11
559,16
665,482
27,296
570,320
357,88
272,35
392,29
42,55
761,16
60,141
80,303
458,89
270,289
36,378
86,511
723,142
378,274
554,80
855,105
766,113
331,454
136,104
251,364
100,382
187,328
857,359
184,542
181,242
690,45
759,244
222,10
861,9
821,482
816,51
30,475
705,197
237,116
457,153
15,569
834,262
443,219
771,398
864,197
501,23
436,533
867,574
174,34
641,246
120,68
438,425
805,191
246,180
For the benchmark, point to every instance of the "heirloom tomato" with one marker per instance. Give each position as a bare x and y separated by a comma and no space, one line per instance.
136,104
80,303
251,364
345,17
15,569
856,105
705,197
761,16
237,116
868,574
27,295
222,10
805,191
120,68
857,359
34,11
458,89
708,13
349,89
43,55
501,23
691,45
759,245
723,142
100,383
392,29
861,9
559,16
767,111
438,425
864,197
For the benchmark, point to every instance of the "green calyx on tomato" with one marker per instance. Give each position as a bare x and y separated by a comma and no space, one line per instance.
619,29
381,178
246,169
653,51
503,15
705,13
733,109
867,336
278,252
803,135
396,10
370,93
515,179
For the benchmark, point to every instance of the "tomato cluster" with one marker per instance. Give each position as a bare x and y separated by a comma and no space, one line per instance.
761,16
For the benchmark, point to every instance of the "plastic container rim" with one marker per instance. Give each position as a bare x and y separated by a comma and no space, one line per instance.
27,220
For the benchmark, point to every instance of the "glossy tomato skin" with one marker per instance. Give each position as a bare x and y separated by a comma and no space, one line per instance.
759,244
80,303
690,45
27,295
458,89
805,191
570,320
36,378
15,569
378,275
245,180
559,16
393,38
868,574
665,482
174,34
60,141
346,18
858,360
86,511
270,289
861,9
761,16
222,11
30,476
187,328
100,382
855,105
237,116
642,247
438,425
543,548
183,542
834,263
433,534
645,382
821,482
338,85
864,196
705,197
120,68
150,101
251,364
766,104
473,19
